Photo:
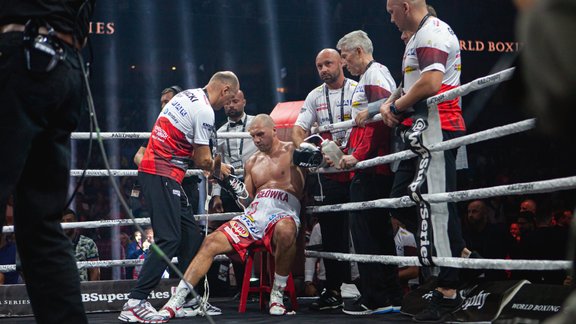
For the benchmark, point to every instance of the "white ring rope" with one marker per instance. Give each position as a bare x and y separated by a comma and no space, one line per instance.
474,85
109,263
129,222
123,173
456,196
499,264
145,135
465,263
484,135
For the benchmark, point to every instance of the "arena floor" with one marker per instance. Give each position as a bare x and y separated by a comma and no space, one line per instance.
252,315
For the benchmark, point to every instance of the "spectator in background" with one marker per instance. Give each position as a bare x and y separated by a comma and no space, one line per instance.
145,251
133,251
515,231
85,248
492,241
526,222
405,246
124,241
545,242
563,217
529,205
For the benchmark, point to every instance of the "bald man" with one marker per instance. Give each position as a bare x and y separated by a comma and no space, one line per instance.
327,104
181,134
431,66
275,187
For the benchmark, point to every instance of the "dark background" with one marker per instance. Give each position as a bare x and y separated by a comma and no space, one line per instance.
256,39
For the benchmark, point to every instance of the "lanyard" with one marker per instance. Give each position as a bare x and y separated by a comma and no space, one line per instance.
241,140
422,23
341,102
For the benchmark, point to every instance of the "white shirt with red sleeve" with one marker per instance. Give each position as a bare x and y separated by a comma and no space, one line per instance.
435,47
187,119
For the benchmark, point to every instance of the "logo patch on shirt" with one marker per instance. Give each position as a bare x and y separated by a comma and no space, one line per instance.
160,134
207,126
409,69
233,236
176,192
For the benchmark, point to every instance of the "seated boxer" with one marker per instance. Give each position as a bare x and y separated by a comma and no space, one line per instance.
276,185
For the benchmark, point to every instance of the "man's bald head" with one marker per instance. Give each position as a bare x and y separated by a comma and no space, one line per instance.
411,3
328,52
226,77
263,120
407,14
221,88
329,67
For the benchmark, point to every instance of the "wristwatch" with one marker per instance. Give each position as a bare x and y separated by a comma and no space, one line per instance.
394,110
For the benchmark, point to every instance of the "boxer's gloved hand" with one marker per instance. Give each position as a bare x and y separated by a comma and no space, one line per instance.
307,156
234,186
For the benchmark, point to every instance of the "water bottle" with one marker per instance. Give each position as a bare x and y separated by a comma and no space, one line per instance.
332,151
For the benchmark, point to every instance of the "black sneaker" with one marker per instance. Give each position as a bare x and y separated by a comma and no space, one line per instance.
359,307
329,299
440,309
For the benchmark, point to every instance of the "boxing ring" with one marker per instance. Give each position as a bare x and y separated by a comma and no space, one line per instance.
546,186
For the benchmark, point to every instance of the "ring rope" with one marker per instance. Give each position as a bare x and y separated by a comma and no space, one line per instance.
109,263
146,135
480,136
132,173
496,264
128,222
452,262
122,173
544,186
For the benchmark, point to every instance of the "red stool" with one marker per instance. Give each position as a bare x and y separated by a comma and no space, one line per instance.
266,280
